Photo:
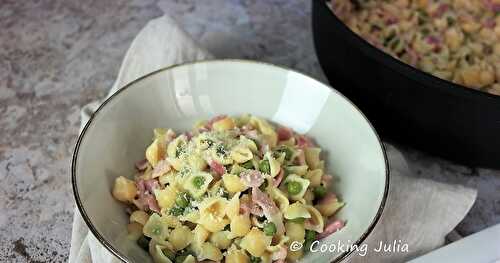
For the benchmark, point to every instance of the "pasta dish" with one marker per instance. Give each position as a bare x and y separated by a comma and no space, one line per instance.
234,189
456,40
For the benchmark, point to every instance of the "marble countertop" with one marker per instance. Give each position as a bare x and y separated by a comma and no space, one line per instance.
56,56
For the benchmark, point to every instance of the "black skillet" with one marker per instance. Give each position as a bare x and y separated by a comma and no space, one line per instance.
405,104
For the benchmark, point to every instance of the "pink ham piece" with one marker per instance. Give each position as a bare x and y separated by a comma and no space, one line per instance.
277,180
252,178
217,168
151,202
161,168
264,148
327,180
442,8
141,165
413,56
145,189
303,141
280,254
188,135
490,23
492,5
269,208
330,228
244,208
247,128
391,20
151,185
433,40
256,210
284,133
252,134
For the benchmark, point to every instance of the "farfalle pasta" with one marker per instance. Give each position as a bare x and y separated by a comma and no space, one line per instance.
234,189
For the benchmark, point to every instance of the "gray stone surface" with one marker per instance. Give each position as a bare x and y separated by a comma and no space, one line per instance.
56,56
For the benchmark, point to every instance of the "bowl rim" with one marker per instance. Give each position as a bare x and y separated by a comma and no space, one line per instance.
426,79
82,134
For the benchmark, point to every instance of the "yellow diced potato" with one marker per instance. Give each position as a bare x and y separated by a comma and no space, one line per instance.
312,156
237,256
124,189
316,223
233,183
233,206
155,152
329,208
296,210
221,239
270,135
139,216
241,154
166,197
314,177
224,124
255,242
180,237
189,259
486,77
200,234
295,231
197,162
240,225
471,77
453,38
309,196
134,230
210,252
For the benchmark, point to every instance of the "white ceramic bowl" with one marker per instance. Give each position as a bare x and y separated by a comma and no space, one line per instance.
117,134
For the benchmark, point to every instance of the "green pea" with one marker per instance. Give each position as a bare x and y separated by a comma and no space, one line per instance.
176,210
310,235
269,229
319,191
247,164
198,181
309,238
298,220
294,188
287,151
182,200
265,167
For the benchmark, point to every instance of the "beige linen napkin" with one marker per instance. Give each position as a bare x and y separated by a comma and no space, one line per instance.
418,212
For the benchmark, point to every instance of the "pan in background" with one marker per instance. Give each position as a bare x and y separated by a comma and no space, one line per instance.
405,104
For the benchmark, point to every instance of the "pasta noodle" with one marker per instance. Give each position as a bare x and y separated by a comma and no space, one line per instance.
237,190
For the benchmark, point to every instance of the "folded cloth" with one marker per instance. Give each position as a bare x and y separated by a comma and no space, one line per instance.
418,212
